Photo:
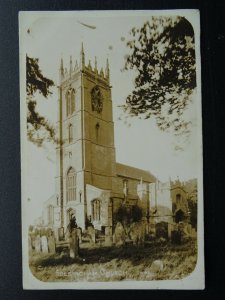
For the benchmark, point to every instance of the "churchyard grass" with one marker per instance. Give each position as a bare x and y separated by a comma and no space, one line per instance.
128,262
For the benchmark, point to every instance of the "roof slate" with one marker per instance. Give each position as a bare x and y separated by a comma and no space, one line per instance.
134,173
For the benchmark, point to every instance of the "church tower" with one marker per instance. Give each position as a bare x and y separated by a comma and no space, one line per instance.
85,151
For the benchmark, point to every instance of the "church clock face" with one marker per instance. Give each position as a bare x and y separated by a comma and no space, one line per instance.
96,99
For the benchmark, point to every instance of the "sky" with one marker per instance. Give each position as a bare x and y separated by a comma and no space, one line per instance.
139,143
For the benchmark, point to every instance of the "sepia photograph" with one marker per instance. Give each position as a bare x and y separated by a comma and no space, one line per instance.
111,150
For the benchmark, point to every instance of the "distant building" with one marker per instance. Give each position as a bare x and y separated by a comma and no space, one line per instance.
168,202
179,201
161,202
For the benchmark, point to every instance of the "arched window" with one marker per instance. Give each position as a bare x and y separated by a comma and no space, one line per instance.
71,185
72,99
70,133
178,198
68,103
96,209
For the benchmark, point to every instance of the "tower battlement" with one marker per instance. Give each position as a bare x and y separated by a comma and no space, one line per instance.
90,68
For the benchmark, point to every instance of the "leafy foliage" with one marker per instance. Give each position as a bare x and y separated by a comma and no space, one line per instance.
38,127
128,214
192,205
192,189
163,55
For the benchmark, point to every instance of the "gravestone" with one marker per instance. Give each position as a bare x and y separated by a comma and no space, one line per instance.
33,237
189,228
119,236
37,244
29,243
162,230
44,244
92,235
74,244
79,233
170,229
51,244
193,232
108,236
157,266
137,233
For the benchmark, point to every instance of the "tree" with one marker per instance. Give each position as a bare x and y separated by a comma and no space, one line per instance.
38,127
162,53
192,205
128,214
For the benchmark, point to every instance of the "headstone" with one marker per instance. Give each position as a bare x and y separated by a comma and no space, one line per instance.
92,235
67,234
108,236
170,228
152,228
119,235
51,244
61,233
33,241
29,243
193,232
162,230
44,244
137,233
79,233
157,266
189,228
37,244
74,244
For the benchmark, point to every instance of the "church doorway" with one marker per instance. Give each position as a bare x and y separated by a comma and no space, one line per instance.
179,216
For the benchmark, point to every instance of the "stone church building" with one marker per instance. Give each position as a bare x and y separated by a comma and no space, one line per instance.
90,184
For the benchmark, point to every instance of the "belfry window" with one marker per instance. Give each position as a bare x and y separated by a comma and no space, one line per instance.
71,185
70,102
96,209
70,133
178,198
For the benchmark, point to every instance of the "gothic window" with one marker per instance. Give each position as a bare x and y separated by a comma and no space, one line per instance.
178,198
96,208
71,185
72,99
96,99
70,133
70,102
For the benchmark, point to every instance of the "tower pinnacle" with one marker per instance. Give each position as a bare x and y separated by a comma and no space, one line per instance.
61,70
107,69
82,57
71,65
96,67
